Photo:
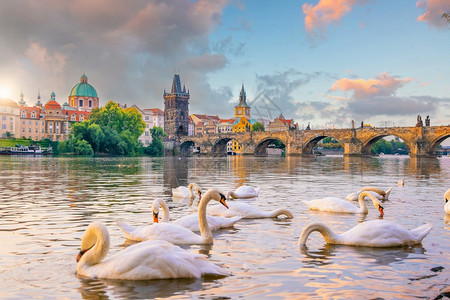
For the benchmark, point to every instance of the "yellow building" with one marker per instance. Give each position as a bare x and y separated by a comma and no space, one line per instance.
242,119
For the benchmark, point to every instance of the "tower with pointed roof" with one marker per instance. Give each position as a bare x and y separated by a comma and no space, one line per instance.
242,110
176,109
21,101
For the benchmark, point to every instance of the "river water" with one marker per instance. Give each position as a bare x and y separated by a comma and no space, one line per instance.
46,204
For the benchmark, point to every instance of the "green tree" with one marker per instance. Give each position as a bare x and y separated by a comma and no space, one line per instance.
258,126
156,148
82,147
157,133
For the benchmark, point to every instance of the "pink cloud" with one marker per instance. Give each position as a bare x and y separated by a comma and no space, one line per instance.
42,59
382,85
318,17
434,10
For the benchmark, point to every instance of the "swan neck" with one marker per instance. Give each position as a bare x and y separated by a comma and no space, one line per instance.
362,203
166,211
100,237
326,232
205,231
279,212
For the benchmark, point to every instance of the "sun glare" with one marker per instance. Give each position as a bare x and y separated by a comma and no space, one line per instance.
4,92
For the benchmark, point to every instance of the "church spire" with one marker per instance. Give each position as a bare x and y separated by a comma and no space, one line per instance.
21,102
38,103
176,84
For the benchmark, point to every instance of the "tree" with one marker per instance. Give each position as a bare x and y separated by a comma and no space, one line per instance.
258,126
156,148
82,147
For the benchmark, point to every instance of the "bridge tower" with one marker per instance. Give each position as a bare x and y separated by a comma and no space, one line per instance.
176,109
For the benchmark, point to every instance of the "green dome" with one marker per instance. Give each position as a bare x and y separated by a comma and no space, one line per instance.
83,89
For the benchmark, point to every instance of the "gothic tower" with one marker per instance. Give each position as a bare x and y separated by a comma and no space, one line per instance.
242,109
176,109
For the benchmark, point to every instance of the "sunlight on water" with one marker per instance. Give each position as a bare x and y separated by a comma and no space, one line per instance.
46,204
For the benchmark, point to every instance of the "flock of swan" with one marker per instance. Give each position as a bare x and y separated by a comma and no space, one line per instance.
158,255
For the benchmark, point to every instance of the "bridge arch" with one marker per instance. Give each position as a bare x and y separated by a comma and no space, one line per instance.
186,148
262,145
434,144
368,143
310,144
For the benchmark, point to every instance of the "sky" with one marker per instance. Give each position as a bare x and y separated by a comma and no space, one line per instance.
324,62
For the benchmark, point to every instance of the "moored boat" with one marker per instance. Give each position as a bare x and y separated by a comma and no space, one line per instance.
25,150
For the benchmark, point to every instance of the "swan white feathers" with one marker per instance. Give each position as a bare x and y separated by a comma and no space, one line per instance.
246,211
333,204
244,192
191,221
143,261
174,233
379,193
447,202
183,192
374,233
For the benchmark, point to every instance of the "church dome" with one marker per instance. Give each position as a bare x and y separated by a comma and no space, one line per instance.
52,104
83,89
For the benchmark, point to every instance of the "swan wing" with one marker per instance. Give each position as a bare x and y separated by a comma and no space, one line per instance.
154,259
246,191
352,197
236,208
214,222
180,192
381,233
332,204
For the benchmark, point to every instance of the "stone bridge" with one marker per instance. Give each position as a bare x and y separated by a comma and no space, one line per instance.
422,141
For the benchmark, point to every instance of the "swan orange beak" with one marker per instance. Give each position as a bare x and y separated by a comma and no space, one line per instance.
381,211
222,200
155,217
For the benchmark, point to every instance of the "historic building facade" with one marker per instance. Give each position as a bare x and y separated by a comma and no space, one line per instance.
176,110
9,118
152,117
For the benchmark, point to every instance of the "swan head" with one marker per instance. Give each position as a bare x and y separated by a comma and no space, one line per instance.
380,209
95,234
214,195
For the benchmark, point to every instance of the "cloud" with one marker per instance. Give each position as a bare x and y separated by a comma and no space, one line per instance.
384,84
376,98
318,17
433,12
128,49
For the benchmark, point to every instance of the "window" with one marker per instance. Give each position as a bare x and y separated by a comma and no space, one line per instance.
90,103
3,126
29,129
4,118
33,114
147,133
80,103
146,118
23,114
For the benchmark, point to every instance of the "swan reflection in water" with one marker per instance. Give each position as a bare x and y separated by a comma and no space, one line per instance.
374,256
139,289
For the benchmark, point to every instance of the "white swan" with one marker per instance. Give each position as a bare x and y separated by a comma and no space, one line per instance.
174,233
184,192
447,202
191,221
333,204
143,261
374,233
246,211
244,192
378,193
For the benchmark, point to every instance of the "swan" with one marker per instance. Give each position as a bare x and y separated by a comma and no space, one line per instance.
447,202
333,204
177,234
401,182
191,221
378,193
184,192
246,211
243,192
374,233
143,261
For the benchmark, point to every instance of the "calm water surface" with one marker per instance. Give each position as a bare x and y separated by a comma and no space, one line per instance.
46,204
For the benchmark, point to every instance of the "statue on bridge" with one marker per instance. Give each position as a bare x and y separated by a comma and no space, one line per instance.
419,121
427,121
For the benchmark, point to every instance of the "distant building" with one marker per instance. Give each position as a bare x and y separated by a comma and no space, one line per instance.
9,117
83,96
152,117
242,121
225,125
176,110
191,126
204,124
281,124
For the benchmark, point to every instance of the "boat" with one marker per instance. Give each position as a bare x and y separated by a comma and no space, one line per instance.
25,150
